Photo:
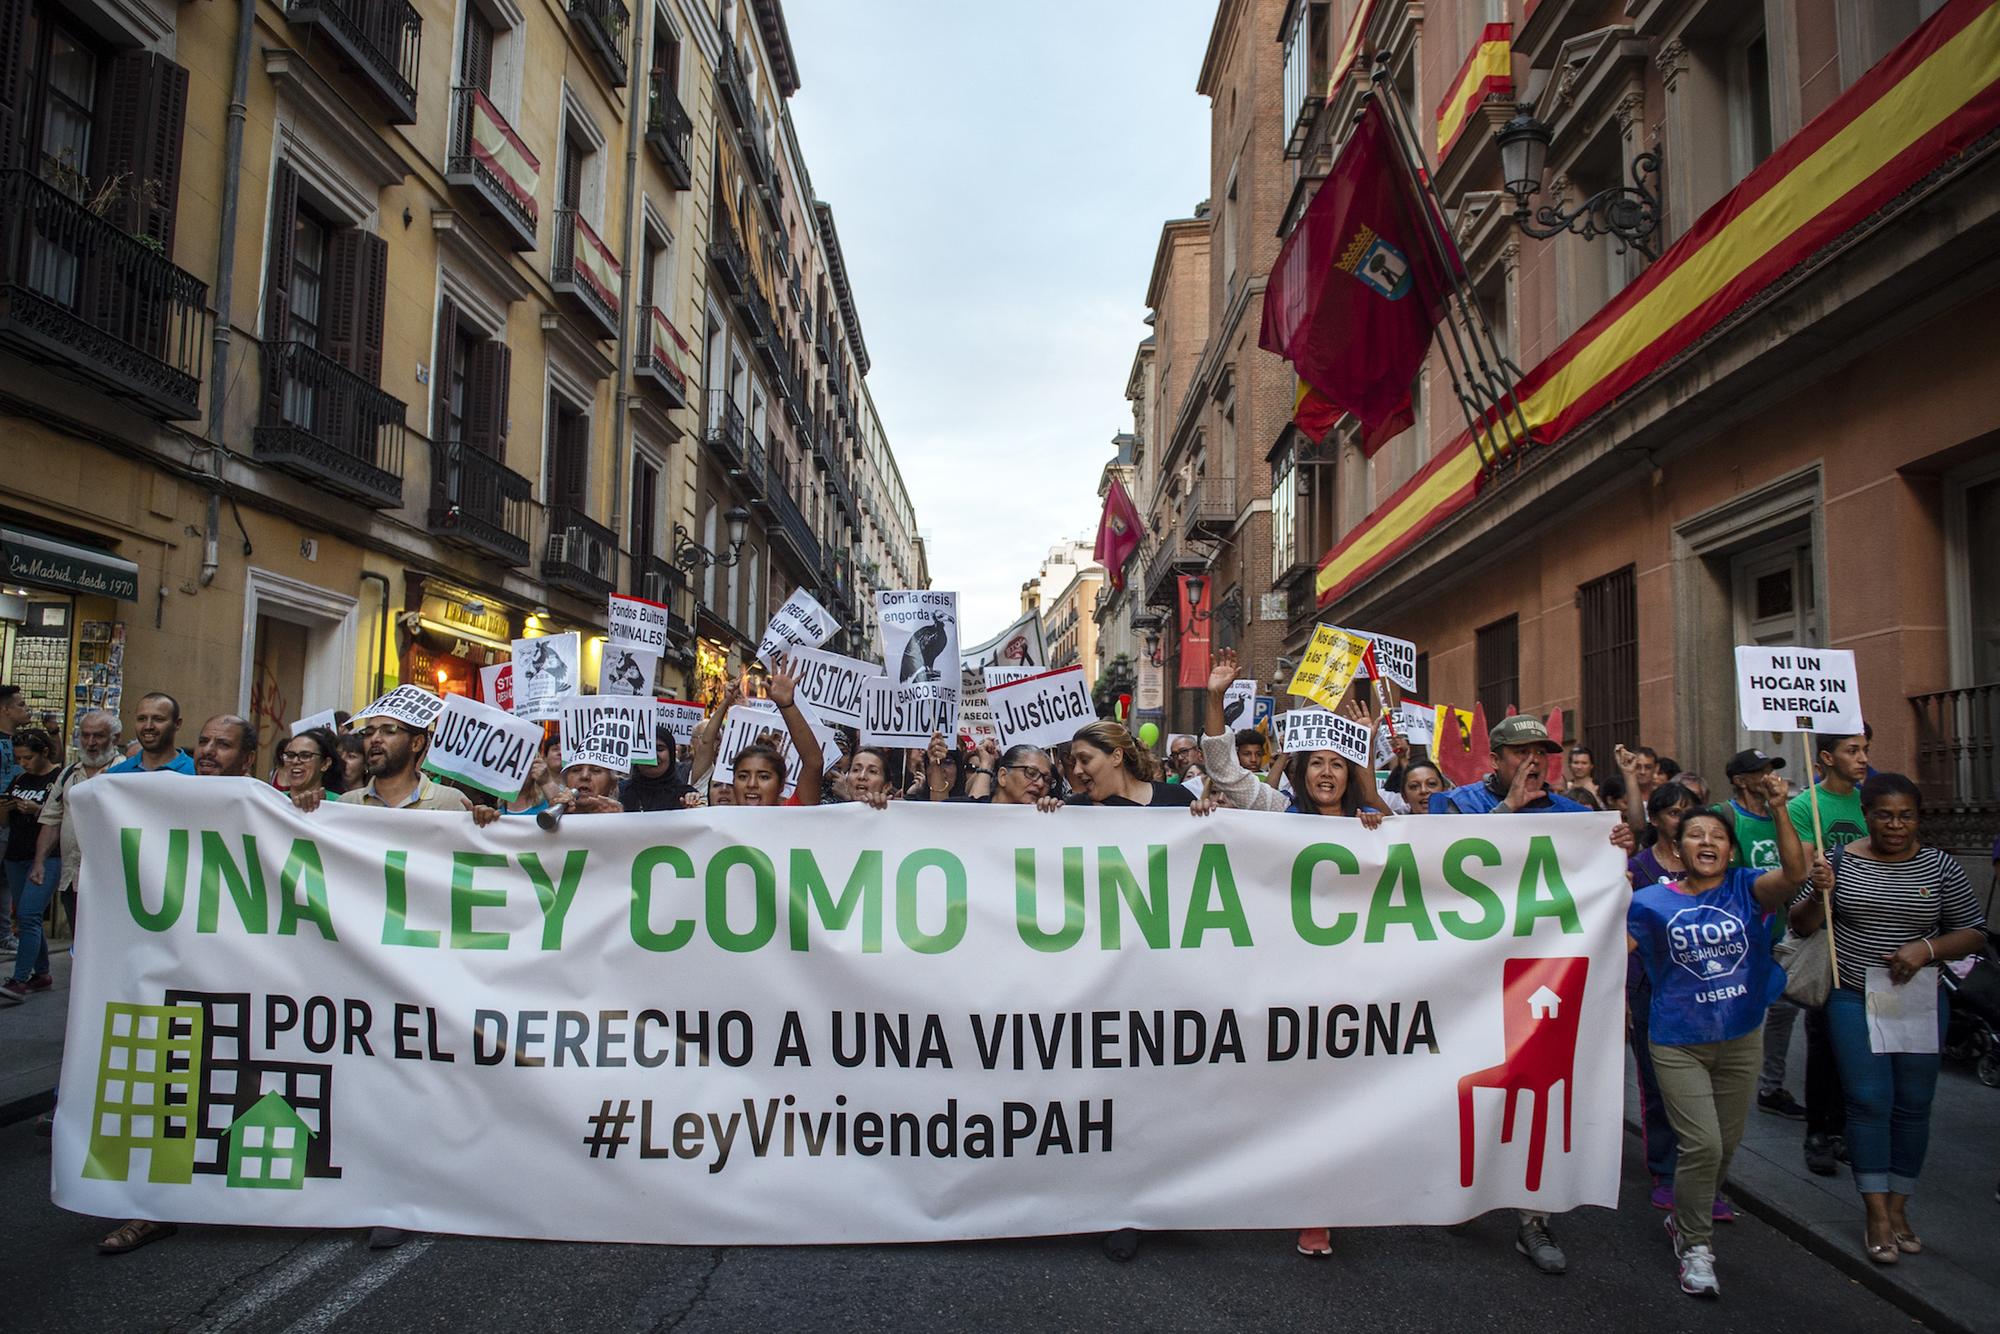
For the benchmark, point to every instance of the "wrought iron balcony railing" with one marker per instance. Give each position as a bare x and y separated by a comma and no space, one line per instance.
1958,765
586,272
669,129
725,430
1211,508
726,254
80,293
322,422
601,24
653,360
479,503
791,529
582,555
488,158
380,40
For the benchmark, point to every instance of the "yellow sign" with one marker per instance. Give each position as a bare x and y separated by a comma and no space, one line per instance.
1464,717
1329,665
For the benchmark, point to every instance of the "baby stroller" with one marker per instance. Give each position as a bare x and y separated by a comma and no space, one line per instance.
1974,1034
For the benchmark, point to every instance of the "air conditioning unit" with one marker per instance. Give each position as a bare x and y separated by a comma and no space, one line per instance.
653,586
579,547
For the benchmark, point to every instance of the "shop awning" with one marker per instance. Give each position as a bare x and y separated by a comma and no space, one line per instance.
35,558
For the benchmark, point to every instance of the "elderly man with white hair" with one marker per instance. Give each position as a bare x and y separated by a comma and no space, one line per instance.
97,750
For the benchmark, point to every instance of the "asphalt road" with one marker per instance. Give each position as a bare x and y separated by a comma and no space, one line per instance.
213,1279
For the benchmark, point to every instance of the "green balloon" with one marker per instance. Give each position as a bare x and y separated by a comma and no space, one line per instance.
1149,733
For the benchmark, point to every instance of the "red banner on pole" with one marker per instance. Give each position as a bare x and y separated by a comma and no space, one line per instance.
1194,631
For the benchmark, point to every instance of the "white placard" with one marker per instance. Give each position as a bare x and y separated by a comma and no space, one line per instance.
1308,730
1395,659
800,623
483,747
681,717
830,685
603,732
545,673
412,706
1042,710
638,623
1239,704
496,684
893,714
1798,690
626,670
1416,721
327,718
1019,645
975,713
752,724
919,637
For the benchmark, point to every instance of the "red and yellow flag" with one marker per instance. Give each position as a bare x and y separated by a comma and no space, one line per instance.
1934,95
1487,72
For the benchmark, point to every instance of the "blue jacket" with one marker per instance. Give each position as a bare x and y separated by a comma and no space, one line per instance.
1480,799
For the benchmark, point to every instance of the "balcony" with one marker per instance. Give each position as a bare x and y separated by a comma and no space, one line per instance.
654,362
1168,560
488,159
797,409
1211,509
582,555
822,341
325,424
750,478
381,41
478,503
788,527
668,130
601,24
843,495
586,272
764,335
658,579
1958,765
85,296
735,88
725,435
726,256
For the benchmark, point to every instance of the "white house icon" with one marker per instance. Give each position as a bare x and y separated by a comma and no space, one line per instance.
1544,1004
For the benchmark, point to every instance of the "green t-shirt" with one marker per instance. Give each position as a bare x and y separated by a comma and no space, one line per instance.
1839,816
1757,838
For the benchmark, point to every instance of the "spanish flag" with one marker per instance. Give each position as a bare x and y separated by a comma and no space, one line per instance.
1922,104
1487,72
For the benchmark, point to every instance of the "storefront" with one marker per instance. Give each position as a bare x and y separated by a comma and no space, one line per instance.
449,633
62,628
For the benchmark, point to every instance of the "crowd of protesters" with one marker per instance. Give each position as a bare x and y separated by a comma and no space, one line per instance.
1768,856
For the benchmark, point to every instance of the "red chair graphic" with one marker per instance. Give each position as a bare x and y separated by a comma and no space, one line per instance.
1543,1003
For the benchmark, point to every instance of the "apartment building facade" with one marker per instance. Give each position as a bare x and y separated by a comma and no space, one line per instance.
351,339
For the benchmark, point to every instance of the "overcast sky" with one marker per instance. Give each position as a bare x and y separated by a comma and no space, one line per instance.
999,174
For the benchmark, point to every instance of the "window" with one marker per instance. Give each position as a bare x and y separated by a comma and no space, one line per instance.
309,254
1750,128
64,97
1608,611
1284,511
568,481
471,384
645,506
1229,211
1973,516
710,518
475,61
1497,655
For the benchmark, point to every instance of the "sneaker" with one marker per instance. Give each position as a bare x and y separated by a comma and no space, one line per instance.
1535,1241
1724,1211
1780,1102
1698,1272
41,982
1663,1193
12,992
1820,1159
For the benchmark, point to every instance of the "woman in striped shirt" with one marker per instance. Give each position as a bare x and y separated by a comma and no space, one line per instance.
1908,907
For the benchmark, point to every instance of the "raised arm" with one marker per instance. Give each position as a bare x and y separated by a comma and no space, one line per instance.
783,690
1776,887
1221,674
1635,805
708,736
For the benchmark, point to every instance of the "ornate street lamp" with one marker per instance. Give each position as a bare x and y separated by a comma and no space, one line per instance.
688,553
1628,213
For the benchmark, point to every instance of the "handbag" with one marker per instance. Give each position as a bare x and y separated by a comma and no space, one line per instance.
1808,960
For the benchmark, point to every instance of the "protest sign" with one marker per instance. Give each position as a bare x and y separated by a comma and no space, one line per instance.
607,732
626,671
412,706
642,714
545,671
830,685
1019,645
1459,721
483,747
975,712
919,636
1798,690
1042,710
1328,666
681,717
1395,659
1416,720
496,685
800,623
1236,703
894,714
758,722
1151,694
638,623
328,718
1307,730
943,1032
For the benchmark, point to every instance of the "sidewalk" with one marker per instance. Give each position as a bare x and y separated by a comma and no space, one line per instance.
1955,1284
31,1041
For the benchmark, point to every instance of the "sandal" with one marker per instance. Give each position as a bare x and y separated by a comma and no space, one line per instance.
1315,1241
1909,1243
1881,1255
130,1236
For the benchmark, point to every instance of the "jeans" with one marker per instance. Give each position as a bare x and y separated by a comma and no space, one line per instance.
1888,1097
31,903
1826,1108
1709,1087
1656,1132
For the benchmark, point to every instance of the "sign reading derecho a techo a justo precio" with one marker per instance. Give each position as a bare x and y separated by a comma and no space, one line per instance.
834,1024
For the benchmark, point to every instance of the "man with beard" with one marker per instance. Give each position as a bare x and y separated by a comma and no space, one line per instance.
158,724
226,747
97,751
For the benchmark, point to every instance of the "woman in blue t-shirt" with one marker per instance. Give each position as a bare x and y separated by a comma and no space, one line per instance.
1701,938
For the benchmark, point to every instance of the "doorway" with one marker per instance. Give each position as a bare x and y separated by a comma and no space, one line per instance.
1775,601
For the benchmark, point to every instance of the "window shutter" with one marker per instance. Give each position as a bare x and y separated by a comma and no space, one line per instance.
572,463
146,97
443,371
356,282
486,399
283,229
476,69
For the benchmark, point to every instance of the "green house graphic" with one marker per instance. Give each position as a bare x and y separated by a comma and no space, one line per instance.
147,1075
267,1146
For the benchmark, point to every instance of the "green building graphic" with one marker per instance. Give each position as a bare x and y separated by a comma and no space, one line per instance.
147,1075
267,1146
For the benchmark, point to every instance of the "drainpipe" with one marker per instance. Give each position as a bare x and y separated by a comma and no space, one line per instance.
225,272
633,121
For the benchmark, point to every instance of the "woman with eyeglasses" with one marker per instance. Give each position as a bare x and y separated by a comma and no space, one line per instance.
1022,776
310,761
1899,904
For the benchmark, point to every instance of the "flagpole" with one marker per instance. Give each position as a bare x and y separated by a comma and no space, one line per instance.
1496,389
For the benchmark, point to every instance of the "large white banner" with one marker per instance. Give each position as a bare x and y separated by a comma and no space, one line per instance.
834,1024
